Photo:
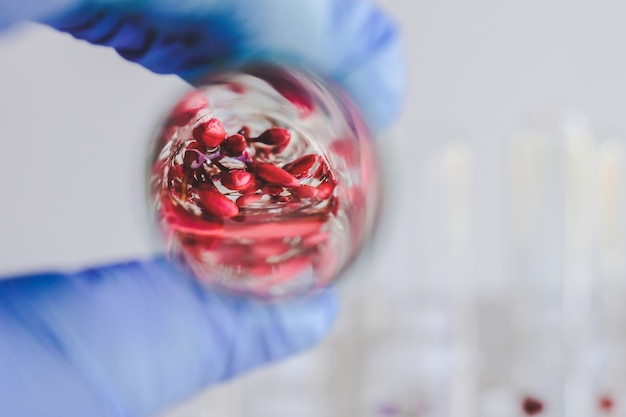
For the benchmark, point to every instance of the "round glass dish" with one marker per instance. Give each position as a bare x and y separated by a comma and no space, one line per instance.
264,182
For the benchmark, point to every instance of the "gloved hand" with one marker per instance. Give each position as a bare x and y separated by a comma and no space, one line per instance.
133,339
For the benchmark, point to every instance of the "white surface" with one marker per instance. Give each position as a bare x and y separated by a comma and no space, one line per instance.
74,119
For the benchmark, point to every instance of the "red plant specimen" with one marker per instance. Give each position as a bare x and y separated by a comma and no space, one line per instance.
264,182
532,406
210,133
606,404
236,202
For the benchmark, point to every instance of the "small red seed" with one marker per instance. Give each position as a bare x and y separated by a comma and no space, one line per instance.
605,403
195,226
274,136
244,131
210,133
305,191
301,167
193,144
279,148
183,221
255,185
207,186
325,190
276,175
246,199
218,204
532,406
236,179
321,170
234,145
272,189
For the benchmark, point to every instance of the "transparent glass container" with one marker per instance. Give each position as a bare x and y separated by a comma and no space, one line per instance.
264,182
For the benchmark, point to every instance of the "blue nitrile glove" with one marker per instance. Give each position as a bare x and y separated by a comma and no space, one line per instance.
133,339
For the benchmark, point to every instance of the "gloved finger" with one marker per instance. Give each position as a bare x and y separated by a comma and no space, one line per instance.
132,339
351,42
12,11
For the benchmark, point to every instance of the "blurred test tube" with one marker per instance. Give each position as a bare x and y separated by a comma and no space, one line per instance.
610,343
458,172
532,369
578,283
